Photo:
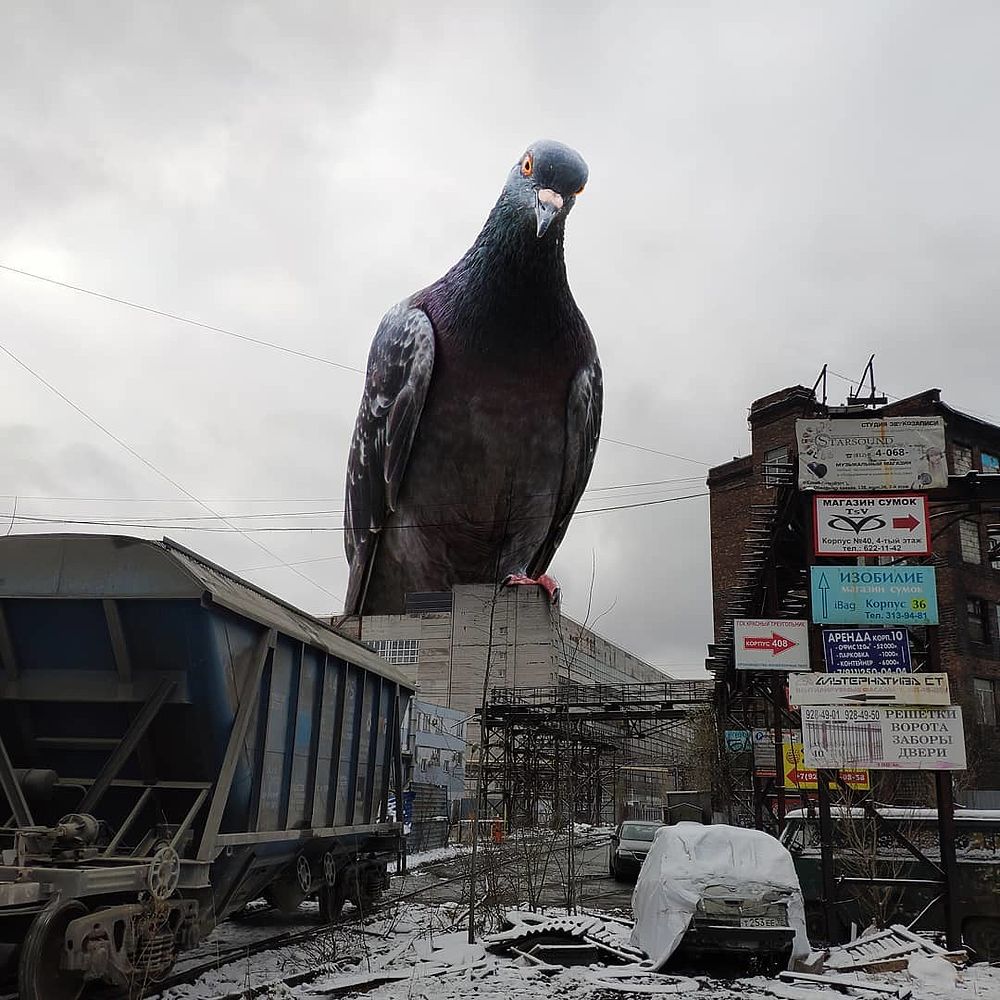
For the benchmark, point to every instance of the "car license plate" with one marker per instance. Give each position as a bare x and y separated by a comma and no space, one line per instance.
760,922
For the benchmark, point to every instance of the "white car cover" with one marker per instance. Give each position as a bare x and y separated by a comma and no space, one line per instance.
685,859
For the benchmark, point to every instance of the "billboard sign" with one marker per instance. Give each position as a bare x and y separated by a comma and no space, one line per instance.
797,775
872,525
910,738
738,741
763,749
894,453
874,595
868,689
771,644
867,649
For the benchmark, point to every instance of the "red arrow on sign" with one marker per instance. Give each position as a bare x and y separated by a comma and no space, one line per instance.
774,642
906,522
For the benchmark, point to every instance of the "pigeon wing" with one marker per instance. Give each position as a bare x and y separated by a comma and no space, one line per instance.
583,428
399,372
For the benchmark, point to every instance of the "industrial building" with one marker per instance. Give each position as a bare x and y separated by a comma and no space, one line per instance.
565,705
759,526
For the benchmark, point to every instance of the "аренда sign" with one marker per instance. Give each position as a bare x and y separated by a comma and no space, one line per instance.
897,453
867,649
872,525
874,595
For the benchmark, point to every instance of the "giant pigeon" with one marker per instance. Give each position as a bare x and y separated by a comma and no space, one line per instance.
481,409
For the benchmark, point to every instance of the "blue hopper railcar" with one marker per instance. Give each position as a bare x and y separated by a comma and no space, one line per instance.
175,742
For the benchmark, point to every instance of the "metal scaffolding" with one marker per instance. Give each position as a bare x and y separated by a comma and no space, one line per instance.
572,750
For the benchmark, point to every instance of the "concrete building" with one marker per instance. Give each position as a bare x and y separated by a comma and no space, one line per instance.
444,641
746,494
436,745
452,644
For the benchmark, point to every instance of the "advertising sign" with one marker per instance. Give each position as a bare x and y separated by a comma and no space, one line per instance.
874,595
868,689
915,739
738,741
771,644
867,649
797,775
763,749
873,525
897,453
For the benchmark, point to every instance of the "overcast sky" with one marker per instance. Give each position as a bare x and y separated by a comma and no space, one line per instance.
772,187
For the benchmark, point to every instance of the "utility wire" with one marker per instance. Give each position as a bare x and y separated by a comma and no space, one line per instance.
263,343
149,465
33,519
183,319
339,510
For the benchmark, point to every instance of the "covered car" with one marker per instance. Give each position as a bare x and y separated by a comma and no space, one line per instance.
714,890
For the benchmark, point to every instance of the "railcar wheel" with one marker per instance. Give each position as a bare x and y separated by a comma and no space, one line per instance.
39,974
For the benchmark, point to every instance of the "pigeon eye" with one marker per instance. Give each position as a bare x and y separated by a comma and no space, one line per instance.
578,193
527,165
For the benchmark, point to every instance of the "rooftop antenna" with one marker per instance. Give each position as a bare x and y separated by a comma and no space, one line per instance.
821,379
856,399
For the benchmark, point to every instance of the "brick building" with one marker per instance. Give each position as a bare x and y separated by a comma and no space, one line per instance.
759,551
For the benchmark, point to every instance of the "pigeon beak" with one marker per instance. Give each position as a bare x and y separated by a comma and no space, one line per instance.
548,204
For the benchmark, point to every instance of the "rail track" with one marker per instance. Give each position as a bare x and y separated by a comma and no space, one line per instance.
194,967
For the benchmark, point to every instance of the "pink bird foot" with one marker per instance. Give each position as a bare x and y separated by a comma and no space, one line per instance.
546,582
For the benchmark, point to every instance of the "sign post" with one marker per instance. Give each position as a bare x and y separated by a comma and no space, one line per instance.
874,595
867,649
894,453
771,644
871,525
869,689
904,738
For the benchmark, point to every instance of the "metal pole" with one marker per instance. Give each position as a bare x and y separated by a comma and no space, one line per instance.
777,697
826,857
946,835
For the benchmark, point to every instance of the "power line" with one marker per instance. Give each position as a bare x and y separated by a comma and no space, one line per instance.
655,451
339,510
182,319
260,342
34,519
149,465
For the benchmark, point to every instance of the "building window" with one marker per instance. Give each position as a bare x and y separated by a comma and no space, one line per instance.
990,463
777,466
961,459
979,626
972,549
985,693
398,651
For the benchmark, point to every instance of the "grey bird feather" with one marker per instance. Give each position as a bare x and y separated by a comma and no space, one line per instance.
481,411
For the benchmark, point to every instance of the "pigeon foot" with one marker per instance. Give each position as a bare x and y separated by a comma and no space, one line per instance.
546,582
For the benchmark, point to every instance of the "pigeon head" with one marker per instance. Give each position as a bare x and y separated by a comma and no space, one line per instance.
545,182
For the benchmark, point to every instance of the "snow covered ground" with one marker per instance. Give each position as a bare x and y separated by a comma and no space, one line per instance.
420,952
416,949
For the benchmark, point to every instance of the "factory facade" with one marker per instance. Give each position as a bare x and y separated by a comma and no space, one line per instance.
446,642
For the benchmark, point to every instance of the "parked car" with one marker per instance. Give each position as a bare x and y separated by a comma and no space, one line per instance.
629,846
721,892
